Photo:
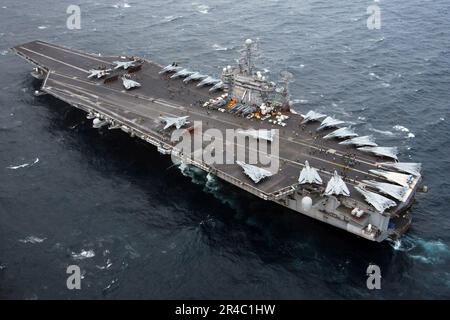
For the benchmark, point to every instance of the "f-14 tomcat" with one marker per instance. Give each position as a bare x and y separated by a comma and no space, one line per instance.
326,170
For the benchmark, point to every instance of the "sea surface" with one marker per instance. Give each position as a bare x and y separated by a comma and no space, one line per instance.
139,227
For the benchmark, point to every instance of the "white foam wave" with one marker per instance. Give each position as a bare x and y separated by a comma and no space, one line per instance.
42,27
202,8
372,74
84,254
122,4
377,40
23,165
400,128
422,259
171,18
4,52
404,244
433,246
209,181
111,284
106,266
218,47
196,174
386,132
32,239
425,251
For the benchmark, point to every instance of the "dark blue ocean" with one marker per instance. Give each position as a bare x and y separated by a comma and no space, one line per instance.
140,228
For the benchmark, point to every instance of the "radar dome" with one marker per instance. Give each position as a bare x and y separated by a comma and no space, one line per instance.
306,203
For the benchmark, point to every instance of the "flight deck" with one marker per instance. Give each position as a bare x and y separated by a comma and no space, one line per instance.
67,75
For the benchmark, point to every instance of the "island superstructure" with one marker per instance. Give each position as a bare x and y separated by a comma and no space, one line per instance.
325,170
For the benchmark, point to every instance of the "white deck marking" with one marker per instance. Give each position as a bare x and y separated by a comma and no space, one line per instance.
56,60
73,51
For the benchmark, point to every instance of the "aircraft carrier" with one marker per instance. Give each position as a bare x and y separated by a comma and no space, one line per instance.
324,169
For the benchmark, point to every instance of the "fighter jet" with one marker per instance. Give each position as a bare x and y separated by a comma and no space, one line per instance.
336,186
178,122
309,175
98,73
170,68
128,83
123,64
255,173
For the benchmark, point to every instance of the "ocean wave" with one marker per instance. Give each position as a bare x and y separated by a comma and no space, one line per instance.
202,8
383,132
84,254
210,183
42,27
4,52
218,47
214,187
435,121
400,128
433,246
112,285
404,244
171,18
422,259
32,239
122,4
374,75
23,165
377,40
132,251
300,101
106,266
197,175
425,251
